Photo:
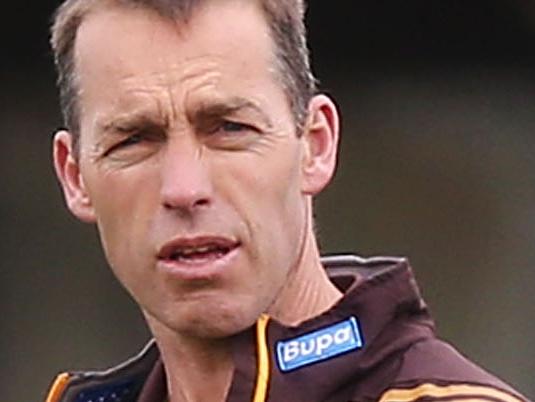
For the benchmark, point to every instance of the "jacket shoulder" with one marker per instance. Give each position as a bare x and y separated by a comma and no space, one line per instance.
120,383
434,370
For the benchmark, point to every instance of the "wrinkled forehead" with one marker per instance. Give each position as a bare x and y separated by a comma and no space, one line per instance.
224,51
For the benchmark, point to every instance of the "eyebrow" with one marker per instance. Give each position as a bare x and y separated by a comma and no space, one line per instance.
219,108
128,122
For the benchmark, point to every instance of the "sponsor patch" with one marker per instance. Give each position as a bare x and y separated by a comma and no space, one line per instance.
319,345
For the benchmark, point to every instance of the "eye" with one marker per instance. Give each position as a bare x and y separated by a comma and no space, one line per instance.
235,127
128,141
229,135
232,126
131,140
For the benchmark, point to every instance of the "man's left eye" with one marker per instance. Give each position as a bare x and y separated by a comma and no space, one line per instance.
231,135
232,127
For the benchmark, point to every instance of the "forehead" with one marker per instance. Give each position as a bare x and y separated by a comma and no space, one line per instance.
229,38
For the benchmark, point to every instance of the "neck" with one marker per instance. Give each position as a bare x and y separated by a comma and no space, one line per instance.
308,291
205,366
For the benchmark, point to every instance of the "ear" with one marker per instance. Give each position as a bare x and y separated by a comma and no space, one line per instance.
68,172
321,144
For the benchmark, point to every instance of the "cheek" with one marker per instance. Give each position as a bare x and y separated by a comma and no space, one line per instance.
266,193
280,194
124,204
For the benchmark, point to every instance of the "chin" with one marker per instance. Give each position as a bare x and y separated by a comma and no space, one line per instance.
213,321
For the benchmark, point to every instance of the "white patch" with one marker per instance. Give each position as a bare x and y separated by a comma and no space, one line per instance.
322,344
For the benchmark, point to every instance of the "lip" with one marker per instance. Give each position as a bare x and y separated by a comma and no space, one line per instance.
202,268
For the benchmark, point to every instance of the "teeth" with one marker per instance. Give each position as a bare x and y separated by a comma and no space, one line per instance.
187,252
199,250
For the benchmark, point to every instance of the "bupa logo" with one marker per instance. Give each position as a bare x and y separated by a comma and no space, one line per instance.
319,345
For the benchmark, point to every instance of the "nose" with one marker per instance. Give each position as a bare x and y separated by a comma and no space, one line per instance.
186,180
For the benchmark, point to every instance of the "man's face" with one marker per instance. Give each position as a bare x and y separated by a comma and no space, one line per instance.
190,164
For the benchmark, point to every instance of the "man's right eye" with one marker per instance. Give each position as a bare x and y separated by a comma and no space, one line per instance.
128,141
131,140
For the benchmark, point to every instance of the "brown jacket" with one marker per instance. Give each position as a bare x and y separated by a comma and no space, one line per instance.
377,344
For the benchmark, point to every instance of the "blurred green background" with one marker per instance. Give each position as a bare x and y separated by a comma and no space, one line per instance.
437,163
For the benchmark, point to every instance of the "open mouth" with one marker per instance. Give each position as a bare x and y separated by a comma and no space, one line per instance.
199,253
198,250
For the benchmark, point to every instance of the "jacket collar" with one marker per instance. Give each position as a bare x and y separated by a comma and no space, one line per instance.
380,294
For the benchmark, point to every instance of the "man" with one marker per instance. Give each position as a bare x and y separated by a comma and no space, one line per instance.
195,141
